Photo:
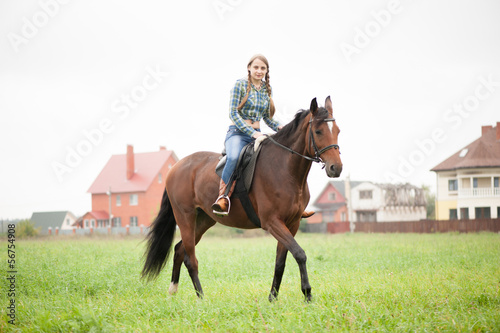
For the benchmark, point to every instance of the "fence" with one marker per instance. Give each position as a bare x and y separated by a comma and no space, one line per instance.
141,230
423,226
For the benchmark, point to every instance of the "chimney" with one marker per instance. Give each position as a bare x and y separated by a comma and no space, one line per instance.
163,148
498,130
485,129
130,161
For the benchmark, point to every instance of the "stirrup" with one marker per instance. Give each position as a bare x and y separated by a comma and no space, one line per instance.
220,212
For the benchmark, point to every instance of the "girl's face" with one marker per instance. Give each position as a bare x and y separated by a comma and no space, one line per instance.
258,70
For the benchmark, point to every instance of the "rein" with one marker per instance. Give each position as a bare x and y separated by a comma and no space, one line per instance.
317,151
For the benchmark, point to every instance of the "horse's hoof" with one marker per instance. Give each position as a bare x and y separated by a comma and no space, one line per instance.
173,288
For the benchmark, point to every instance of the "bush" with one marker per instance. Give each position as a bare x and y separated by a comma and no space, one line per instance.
26,228
303,225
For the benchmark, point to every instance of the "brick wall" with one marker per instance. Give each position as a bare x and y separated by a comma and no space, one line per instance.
148,202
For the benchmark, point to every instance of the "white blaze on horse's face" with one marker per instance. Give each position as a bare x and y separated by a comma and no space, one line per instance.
330,126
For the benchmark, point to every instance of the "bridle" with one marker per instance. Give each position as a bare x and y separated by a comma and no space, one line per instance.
317,152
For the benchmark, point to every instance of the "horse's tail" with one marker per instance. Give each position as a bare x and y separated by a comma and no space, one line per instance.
159,240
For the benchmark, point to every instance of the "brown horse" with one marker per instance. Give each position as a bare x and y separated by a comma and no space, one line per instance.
279,195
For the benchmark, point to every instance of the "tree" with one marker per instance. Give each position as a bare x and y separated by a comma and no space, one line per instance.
26,228
431,202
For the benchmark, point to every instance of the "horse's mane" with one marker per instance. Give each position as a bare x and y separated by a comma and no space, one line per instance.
289,130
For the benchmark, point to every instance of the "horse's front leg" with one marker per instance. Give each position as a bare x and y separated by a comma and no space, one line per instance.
278,229
279,269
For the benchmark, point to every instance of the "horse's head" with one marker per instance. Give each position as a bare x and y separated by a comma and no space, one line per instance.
324,134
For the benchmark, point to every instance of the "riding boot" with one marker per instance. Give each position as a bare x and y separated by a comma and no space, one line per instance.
222,205
307,214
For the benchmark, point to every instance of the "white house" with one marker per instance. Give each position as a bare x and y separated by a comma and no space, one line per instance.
62,220
387,203
468,182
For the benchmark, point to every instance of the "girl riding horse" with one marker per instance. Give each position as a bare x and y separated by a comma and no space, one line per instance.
250,102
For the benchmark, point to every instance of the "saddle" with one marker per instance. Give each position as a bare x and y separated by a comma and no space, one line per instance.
243,176
245,166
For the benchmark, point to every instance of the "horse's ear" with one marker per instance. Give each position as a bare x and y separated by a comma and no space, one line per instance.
314,106
328,106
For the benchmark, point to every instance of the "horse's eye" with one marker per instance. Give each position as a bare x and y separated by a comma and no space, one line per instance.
318,132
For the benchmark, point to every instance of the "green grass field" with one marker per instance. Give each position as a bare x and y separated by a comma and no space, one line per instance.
361,282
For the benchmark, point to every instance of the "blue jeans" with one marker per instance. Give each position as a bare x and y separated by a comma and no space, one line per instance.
234,143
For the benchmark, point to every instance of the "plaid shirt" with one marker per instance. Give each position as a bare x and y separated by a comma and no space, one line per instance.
256,107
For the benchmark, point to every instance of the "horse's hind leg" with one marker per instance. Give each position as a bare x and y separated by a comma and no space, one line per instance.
203,223
179,254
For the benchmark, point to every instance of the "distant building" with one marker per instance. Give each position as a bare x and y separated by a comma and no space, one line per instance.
468,182
369,202
331,203
63,220
129,188
331,208
373,202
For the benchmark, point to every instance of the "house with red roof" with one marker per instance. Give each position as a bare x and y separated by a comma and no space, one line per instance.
331,208
468,182
129,189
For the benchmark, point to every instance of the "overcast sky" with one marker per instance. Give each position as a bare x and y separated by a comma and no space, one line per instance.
411,82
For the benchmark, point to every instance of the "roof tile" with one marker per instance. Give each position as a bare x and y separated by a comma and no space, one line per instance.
114,174
483,152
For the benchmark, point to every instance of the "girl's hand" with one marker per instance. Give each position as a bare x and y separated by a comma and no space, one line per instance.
257,134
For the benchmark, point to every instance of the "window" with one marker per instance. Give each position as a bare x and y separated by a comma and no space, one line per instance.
328,216
117,221
342,216
482,182
67,222
118,200
133,221
366,194
159,178
453,185
92,223
332,196
86,224
496,182
464,213
483,212
366,216
134,200
453,214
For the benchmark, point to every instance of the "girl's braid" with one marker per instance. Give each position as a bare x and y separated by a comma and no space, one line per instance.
249,86
272,109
